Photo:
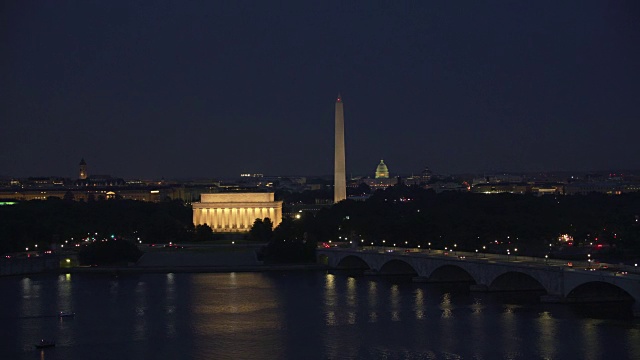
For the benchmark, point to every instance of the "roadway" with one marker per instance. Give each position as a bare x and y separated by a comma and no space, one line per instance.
616,269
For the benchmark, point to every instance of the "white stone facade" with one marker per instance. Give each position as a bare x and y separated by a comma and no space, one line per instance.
236,212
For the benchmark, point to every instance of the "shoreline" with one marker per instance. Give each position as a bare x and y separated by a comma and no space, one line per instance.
192,269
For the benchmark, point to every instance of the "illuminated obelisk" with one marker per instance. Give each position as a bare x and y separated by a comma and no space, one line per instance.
340,176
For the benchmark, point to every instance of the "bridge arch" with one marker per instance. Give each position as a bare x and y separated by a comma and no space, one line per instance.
353,262
451,273
516,281
596,291
397,267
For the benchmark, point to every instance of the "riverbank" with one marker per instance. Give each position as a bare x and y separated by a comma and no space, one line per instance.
193,269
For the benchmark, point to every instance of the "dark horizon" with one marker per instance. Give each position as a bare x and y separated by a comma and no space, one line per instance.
217,89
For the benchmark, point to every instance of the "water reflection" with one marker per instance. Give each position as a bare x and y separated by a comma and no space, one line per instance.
547,336
292,316
418,307
394,299
510,338
140,320
64,298
241,311
372,301
633,343
447,334
170,306
478,320
591,337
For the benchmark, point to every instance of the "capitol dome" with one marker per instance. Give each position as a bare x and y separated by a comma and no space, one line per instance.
382,172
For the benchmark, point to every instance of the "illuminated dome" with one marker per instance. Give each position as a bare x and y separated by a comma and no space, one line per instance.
381,171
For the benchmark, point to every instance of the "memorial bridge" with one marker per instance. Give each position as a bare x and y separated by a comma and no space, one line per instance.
494,272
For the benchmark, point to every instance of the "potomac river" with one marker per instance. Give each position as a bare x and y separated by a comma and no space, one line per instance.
296,315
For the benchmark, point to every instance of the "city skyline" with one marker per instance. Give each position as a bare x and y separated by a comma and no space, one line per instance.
214,90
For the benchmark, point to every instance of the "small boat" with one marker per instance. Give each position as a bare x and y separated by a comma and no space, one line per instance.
66,314
45,344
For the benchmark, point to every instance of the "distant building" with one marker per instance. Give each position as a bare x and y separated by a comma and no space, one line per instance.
382,172
518,188
381,178
448,186
502,187
83,170
236,212
607,187
422,179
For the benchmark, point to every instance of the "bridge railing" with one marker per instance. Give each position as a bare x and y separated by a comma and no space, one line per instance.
485,256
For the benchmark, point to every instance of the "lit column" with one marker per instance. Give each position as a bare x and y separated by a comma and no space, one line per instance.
278,215
271,216
252,215
245,218
234,218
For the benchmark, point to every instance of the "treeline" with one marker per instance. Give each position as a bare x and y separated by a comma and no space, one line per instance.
413,216
54,221
400,215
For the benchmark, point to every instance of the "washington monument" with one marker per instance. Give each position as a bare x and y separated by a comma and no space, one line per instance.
340,177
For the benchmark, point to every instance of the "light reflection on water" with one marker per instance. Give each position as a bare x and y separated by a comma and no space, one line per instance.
292,316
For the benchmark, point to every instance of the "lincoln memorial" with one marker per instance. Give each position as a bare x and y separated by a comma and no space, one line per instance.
236,212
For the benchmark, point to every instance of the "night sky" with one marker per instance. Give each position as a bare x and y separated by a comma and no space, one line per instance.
185,89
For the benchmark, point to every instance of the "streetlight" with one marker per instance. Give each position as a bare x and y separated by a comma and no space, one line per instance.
516,254
429,248
508,253
455,246
589,260
546,259
476,252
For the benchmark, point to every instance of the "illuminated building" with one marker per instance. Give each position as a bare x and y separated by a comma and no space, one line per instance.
340,175
381,178
83,170
382,172
236,212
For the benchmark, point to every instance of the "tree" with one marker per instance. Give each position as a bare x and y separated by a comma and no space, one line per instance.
262,230
289,244
109,252
203,233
